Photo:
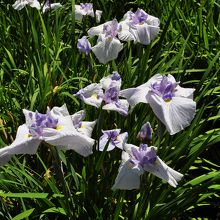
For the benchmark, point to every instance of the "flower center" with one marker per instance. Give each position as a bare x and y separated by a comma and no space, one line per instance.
139,17
41,121
111,95
164,89
86,7
111,29
143,156
113,136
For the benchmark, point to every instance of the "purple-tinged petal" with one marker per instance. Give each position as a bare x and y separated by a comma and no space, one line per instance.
84,45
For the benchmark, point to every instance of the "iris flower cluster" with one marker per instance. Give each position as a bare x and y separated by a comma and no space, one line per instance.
172,104
138,27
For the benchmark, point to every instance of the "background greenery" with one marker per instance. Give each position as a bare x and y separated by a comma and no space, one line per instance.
40,66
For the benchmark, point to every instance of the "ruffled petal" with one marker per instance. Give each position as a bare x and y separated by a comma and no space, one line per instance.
175,114
107,81
107,49
59,111
121,107
24,143
125,34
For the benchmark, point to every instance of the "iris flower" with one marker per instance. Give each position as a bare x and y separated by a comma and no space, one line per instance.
86,9
20,4
136,161
113,138
108,45
143,27
83,45
171,103
56,127
50,6
106,91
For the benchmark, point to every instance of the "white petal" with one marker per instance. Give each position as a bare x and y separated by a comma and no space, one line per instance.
67,137
23,144
144,33
154,21
98,15
28,119
59,111
184,92
104,139
128,177
97,30
87,128
122,138
175,114
91,94
121,107
135,95
107,49
35,4
125,34
107,81
78,116
161,170
18,5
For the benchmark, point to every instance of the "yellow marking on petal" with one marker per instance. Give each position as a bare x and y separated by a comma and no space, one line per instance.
117,138
131,165
59,127
83,126
28,135
167,100
94,96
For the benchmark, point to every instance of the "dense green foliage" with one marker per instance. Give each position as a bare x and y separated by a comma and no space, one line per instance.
40,66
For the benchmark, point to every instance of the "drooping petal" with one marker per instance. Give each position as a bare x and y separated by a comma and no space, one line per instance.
107,49
66,137
135,95
163,171
24,143
121,107
128,177
91,95
175,114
